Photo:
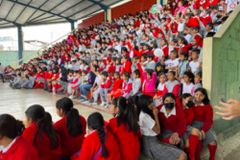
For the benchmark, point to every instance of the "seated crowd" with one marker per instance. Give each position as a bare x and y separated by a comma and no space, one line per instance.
146,68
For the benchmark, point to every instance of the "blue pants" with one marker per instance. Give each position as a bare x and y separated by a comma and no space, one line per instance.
85,88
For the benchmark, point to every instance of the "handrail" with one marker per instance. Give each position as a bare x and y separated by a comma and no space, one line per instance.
228,22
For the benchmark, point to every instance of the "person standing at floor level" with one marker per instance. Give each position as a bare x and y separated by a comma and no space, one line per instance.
99,143
13,146
150,129
71,128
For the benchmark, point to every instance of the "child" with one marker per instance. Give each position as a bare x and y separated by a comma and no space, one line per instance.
183,65
74,85
198,80
172,84
95,90
125,128
14,147
99,143
149,82
161,90
40,133
203,121
173,62
195,65
150,62
71,127
188,83
150,129
117,84
105,87
136,85
172,119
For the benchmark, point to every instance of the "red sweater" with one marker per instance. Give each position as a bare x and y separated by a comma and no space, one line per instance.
128,141
91,146
117,84
69,144
174,123
42,144
204,114
189,116
20,150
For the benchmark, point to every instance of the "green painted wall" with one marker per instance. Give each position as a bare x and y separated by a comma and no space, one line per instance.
226,71
11,57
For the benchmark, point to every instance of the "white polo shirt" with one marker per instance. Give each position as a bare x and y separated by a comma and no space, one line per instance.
146,124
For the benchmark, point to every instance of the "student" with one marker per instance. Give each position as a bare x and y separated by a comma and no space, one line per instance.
198,80
173,86
173,62
183,64
13,146
149,82
117,84
191,136
150,129
136,85
105,87
195,64
161,90
71,128
41,134
151,64
74,84
172,119
203,121
188,83
99,143
125,128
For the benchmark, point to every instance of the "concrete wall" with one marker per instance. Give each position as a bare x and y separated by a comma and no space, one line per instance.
221,66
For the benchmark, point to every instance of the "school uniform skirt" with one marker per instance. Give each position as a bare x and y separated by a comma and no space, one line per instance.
155,150
168,134
210,134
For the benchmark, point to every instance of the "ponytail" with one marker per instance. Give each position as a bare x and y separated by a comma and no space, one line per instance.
10,127
43,121
74,125
96,121
127,114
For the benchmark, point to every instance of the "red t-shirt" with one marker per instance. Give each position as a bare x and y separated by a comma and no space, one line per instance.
69,144
128,141
20,150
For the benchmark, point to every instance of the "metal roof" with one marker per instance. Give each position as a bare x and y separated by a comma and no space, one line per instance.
35,12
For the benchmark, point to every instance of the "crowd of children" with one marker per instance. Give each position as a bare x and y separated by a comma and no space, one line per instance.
152,61
174,130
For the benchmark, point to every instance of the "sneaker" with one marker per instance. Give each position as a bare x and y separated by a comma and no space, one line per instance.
103,104
94,104
82,100
71,97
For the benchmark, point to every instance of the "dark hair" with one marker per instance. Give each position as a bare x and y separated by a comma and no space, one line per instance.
172,72
168,95
137,72
127,114
186,95
143,102
190,75
10,127
38,115
196,51
96,121
204,92
74,125
126,74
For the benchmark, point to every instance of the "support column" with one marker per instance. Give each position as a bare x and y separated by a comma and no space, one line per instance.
107,14
20,44
72,25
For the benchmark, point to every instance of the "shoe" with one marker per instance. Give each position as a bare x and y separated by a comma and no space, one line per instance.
71,97
82,100
103,104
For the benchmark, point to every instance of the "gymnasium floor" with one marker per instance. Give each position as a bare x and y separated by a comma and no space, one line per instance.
15,102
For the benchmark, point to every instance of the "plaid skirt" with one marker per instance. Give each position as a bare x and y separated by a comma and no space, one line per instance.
210,134
155,150
168,134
